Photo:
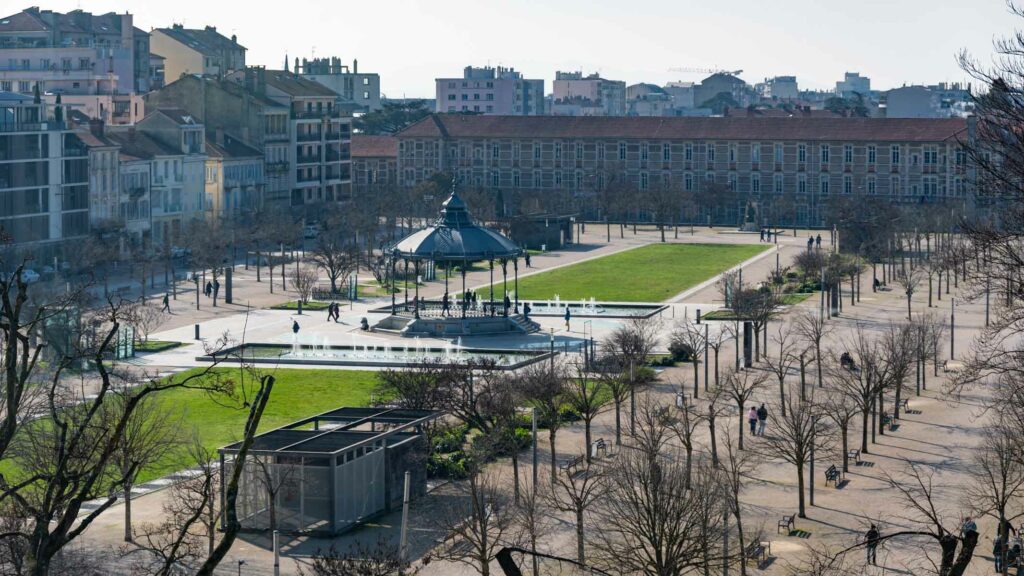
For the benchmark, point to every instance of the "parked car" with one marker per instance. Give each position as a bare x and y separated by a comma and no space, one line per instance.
47,272
179,252
29,276
310,231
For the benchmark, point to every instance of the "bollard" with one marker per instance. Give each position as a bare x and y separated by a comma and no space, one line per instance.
698,315
300,306
197,331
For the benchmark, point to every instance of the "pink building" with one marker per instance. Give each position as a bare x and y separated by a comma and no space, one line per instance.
499,91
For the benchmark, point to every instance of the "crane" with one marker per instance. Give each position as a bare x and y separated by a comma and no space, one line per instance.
705,70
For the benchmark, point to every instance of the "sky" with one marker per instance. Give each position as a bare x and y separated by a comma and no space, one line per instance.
409,43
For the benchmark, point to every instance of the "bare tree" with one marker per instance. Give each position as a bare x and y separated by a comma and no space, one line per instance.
545,388
336,258
143,318
813,329
379,559
800,429
690,338
741,387
736,466
479,524
533,515
997,479
909,279
783,362
574,492
303,280
587,397
150,436
651,523
717,337
841,407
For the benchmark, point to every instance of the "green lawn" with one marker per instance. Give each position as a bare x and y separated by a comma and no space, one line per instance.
648,274
156,346
297,394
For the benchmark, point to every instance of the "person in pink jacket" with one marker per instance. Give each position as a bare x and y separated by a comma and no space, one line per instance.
752,420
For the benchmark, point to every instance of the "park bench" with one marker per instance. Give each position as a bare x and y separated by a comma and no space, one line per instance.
833,475
905,403
599,448
952,366
787,522
571,464
853,454
757,551
887,420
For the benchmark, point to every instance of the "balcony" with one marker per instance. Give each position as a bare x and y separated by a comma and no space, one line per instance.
338,157
308,179
75,151
308,159
277,166
316,114
275,137
334,136
309,137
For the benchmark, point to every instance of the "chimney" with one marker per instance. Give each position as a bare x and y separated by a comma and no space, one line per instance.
355,66
234,39
96,126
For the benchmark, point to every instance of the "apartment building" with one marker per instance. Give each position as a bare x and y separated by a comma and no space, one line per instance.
577,95
803,161
361,89
374,162
853,84
487,90
234,177
98,64
44,177
778,88
202,51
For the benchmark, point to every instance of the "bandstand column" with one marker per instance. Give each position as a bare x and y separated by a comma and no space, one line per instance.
416,299
406,281
465,300
504,286
491,265
515,267
393,297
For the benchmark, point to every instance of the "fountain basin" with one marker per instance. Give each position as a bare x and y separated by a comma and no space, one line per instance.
373,356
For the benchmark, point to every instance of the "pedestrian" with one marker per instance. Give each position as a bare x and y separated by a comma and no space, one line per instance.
752,419
871,539
337,312
508,304
568,316
762,419
295,327
968,526
818,241
1013,555
998,551
208,289
444,305
762,235
330,311
216,288
526,311
528,259
167,304
810,243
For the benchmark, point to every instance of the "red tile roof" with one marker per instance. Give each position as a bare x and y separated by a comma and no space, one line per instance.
364,146
654,128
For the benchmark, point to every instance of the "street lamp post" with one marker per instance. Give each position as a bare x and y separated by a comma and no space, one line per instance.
952,327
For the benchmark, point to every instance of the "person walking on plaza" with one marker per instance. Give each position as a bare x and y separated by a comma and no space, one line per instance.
762,235
216,288
167,304
330,311
444,305
818,241
998,551
871,540
752,420
762,419
337,312
295,327
527,256
568,316
810,243
208,290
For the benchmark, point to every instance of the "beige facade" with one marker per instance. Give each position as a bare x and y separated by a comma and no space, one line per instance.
202,51
807,162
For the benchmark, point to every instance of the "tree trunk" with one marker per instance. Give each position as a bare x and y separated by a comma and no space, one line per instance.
618,422
714,440
696,376
800,485
817,360
551,441
743,418
736,512
846,447
128,513
757,344
586,435
881,414
864,431
782,395
580,556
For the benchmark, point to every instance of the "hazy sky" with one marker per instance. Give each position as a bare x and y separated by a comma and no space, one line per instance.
409,43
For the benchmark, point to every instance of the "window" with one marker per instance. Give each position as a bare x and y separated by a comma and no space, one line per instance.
931,155
688,152
366,95
778,184
465,96
600,151
558,150
515,179
755,153
490,108
711,153
44,63
778,153
26,64
83,63
558,180
366,82
848,154
451,96
960,156
894,186
801,183
732,153
622,150
823,184
577,151
495,151
825,153
644,152
894,154
24,87
872,154
958,186
643,180
494,179
5,86
755,183
872,187
931,186
847,185
666,152
476,96
801,153
536,151
688,182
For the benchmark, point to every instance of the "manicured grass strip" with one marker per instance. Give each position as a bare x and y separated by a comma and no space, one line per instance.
157,346
312,305
648,274
795,298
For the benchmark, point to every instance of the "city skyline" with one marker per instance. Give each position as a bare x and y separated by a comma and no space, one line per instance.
425,43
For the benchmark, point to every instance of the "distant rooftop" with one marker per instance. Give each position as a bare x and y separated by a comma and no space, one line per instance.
205,40
364,146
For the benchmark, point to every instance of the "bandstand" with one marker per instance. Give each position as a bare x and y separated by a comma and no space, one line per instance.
454,240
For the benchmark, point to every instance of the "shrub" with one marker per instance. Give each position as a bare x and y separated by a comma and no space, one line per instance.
680,351
644,375
454,465
569,414
449,440
498,444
